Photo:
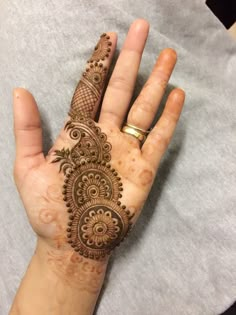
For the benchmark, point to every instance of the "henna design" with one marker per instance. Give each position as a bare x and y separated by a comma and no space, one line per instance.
89,181
85,98
97,228
76,272
92,188
102,49
91,146
89,88
95,74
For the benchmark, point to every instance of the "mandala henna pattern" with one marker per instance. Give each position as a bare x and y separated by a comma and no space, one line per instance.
92,188
90,181
98,227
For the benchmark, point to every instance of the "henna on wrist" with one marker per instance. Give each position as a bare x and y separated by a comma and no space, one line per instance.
76,271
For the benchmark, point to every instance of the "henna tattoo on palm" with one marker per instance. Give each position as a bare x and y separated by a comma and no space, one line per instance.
92,188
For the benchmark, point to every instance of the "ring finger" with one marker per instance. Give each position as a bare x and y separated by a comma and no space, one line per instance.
146,105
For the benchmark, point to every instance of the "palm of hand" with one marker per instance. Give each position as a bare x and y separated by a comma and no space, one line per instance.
45,206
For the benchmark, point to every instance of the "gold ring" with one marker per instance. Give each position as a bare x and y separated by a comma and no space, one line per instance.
136,132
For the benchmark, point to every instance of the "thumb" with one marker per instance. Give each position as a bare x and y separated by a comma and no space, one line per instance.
28,132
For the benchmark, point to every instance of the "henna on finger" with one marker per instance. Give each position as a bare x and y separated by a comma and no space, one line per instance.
89,88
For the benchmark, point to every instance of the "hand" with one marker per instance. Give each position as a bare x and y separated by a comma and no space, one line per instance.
83,197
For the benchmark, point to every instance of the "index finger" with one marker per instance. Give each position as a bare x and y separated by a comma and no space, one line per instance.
88,92
87,95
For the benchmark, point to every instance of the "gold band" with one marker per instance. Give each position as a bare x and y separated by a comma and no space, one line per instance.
136,132
137,128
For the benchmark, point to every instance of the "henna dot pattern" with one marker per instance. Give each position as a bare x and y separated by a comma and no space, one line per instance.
95,74
102,49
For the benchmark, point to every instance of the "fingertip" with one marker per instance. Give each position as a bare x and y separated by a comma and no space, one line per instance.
113,36
20,92
169,53
25,109
140,23
178,95
137,36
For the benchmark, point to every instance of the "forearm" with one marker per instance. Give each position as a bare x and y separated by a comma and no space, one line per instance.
59,283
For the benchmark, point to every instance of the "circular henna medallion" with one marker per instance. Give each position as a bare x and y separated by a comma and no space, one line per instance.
90,181
98,227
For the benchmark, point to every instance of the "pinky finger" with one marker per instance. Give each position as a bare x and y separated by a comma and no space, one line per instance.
160,136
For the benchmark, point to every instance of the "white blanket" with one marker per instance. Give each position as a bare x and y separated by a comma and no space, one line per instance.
180,258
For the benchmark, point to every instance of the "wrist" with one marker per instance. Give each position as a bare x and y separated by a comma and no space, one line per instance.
59,282
74,271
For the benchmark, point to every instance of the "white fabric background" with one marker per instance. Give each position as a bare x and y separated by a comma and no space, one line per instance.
180,258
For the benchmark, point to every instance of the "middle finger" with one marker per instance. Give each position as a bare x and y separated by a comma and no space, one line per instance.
121,85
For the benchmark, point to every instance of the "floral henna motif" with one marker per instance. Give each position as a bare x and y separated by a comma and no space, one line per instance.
98,227
89,181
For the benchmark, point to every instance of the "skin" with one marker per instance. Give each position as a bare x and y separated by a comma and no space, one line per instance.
59,280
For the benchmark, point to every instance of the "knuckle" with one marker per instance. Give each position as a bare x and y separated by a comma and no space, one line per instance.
144,104
161,78
110,114
161,140
120,82
170,117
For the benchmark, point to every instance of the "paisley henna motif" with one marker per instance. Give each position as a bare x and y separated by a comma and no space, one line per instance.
92,144
92,188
